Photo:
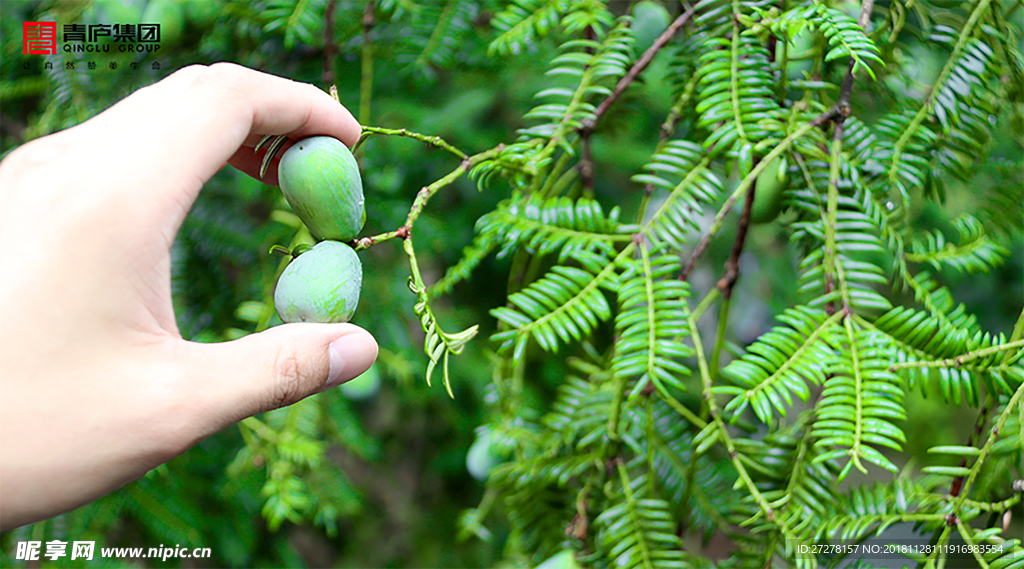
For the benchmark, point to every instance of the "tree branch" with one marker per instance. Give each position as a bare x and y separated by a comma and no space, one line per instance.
636,70
423,196
329,47
366,71
435,141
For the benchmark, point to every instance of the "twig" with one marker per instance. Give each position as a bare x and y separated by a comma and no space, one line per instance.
961,359
732,266
958,482
424,195
635,71
586,163
366,72
726,439
741,190
731,274
839,112
329,47
435,141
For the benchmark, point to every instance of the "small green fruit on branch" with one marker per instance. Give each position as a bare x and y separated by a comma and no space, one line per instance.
320,179
321,285
771,194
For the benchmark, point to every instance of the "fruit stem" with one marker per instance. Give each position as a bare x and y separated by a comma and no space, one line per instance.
424,196
435,141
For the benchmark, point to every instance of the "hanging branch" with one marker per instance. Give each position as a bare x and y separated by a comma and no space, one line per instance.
366,72
329,47
586,163
423,197
732,266
435,141
741,189
836,114
636,70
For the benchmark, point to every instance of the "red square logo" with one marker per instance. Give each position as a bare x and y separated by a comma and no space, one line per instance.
39,38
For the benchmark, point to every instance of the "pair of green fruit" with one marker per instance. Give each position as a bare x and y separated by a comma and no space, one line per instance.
320,179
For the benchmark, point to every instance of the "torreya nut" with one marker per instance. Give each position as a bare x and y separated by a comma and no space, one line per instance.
649,21
483,456
770,193
320,285
320,179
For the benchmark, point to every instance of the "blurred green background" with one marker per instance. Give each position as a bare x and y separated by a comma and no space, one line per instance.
379,477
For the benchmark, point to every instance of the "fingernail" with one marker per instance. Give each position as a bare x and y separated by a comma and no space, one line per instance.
351,355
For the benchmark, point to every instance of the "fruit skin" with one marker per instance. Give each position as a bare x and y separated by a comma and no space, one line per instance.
565,559
320,285
770,193
320,179
482,456
650,19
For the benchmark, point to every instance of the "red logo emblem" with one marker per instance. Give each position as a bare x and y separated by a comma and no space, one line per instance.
39,38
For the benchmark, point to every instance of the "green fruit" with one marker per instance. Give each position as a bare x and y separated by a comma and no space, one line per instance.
482,456
320,179
770,193
320,285
171,18
564,559
799,46
363,387
650,19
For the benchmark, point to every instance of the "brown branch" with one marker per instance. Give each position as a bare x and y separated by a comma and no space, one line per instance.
586,163
732,266
366,70
586,166
841,110
833,182
958,482
329,47
636,70
837,114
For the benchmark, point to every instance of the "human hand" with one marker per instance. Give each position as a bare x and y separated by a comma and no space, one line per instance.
98,386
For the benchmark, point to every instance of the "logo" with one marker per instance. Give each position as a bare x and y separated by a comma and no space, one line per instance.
39,38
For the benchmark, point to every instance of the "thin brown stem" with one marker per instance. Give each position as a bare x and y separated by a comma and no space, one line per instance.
366,72
732,266
636,70
586,166
423,196
586,163
329,47
979,426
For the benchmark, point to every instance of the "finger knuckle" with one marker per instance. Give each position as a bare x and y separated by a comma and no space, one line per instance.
291,377
221,76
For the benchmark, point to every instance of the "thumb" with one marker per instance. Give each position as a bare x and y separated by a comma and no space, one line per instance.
278,367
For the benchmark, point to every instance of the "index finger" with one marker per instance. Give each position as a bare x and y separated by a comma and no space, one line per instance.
194,121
